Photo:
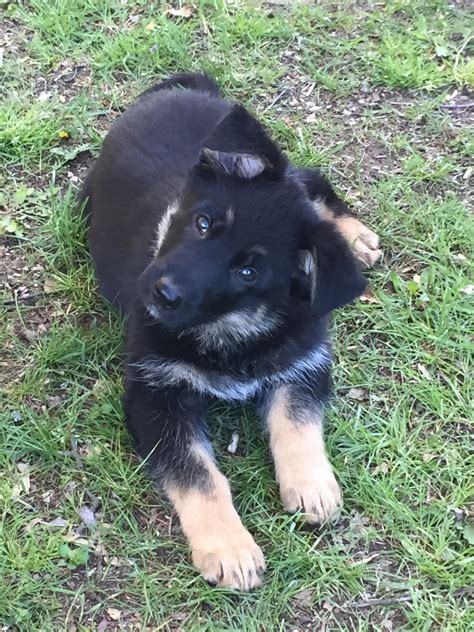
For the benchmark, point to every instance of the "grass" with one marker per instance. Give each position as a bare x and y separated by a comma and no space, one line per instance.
375,93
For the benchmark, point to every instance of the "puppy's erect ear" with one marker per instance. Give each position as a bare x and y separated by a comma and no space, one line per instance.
338,276
242,165
240,146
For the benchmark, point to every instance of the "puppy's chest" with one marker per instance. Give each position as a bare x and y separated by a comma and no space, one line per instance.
238,384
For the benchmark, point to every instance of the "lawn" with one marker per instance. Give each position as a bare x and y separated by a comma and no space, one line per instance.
378,95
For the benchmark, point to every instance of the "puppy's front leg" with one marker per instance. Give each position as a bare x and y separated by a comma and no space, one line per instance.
170,432
303,471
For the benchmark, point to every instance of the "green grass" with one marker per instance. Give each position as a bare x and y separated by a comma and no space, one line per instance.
364,89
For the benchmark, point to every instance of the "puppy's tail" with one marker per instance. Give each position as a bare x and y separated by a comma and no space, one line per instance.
186,80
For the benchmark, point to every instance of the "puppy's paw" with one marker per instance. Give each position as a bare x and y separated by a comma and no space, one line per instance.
363,241
229,557
316,494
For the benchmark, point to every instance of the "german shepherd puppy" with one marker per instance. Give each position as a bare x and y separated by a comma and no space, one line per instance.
227,261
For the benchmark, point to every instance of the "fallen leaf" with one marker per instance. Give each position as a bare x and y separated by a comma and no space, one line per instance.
56,522
468,173
87,516
382,468
234,442
364,560
305,597
114,613
50,286
468,532
359,394
102,625
441,51
23,484
76,539
44,96
47,496
368,297
29,334
185,11
448,555
114,561
423,370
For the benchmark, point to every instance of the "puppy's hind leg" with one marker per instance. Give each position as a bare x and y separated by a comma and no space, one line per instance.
170,433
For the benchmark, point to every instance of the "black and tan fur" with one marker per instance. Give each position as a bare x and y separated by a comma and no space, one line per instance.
227,261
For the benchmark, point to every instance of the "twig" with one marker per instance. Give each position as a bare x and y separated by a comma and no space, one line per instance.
457,106
74,452
372,603
20,299
275,100
391,601
95,502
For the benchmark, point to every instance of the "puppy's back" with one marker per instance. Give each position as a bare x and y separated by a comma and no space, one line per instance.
141,170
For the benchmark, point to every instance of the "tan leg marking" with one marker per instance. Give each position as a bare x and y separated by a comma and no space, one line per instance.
303,472
363,241
222,549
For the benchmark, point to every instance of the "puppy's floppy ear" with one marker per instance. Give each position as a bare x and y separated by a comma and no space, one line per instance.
240,146
338,276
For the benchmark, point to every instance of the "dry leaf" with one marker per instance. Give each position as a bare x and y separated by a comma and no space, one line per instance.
185,11
305,597
23,485
102,625
358,394
51,286
234,442
382,468
87,516
114,613
423,370
368,297
364,560
57,522
76,539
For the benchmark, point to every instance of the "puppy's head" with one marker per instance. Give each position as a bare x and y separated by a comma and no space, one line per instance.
243,245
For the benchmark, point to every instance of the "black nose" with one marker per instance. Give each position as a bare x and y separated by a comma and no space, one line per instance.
166,294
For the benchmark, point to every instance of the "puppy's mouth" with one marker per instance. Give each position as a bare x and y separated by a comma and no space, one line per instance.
176,320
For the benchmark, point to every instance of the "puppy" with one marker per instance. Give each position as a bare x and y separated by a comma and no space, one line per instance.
227,261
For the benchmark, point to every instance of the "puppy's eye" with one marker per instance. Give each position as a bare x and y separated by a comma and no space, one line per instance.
203,223
247,274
